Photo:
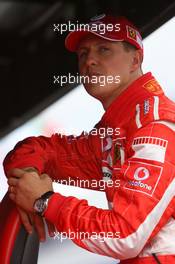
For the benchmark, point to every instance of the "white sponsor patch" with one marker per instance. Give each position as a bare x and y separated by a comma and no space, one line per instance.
146,107
150,148
142,177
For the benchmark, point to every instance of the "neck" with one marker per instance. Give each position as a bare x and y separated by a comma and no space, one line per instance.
107,101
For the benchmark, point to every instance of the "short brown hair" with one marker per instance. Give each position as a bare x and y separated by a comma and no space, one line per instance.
128,46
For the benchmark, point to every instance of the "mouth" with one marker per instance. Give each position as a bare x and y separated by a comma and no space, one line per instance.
90,74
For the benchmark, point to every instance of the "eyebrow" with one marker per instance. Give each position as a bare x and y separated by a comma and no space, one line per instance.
96,44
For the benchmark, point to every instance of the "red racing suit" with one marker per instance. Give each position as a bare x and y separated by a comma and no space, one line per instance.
135,160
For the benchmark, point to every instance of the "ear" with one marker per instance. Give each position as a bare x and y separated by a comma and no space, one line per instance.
137,58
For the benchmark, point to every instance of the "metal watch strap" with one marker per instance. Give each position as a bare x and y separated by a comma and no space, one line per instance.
46,195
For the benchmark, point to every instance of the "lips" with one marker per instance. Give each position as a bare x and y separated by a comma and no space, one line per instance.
90,74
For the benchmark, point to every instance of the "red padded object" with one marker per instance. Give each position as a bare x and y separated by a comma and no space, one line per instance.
9,228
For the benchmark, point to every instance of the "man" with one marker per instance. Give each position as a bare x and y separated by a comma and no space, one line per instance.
139,227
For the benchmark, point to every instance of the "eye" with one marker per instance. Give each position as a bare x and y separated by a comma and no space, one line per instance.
81,54
103,49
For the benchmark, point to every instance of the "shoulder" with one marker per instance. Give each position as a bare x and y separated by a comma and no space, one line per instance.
154,108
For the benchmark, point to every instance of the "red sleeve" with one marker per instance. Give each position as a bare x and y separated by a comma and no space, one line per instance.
142,204
69,160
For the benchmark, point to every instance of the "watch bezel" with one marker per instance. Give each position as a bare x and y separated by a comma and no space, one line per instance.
43,200
39,205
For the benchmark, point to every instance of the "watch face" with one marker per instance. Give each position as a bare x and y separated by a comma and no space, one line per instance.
39,205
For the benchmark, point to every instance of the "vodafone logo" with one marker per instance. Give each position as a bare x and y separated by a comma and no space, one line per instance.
141,174
140,177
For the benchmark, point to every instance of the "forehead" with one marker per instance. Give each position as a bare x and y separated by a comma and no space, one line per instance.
93,40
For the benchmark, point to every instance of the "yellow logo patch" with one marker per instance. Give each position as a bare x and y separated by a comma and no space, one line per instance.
153,87
132,33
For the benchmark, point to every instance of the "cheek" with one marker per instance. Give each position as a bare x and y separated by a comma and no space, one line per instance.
120,66
114,65
114,69
81,69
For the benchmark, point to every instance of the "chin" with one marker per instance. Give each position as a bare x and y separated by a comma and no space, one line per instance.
96,91
100,92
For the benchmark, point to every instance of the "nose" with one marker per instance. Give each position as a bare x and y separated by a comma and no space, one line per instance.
91,59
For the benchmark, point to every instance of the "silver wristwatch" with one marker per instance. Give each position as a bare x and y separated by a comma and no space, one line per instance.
40,204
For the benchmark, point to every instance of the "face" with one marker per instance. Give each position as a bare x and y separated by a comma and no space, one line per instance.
98,59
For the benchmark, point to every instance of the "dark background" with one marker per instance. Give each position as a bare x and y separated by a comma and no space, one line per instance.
31,53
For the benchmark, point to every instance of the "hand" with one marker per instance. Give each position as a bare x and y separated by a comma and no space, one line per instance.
31,219
26,187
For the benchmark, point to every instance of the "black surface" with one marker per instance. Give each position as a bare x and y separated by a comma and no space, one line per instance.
26,248
31,53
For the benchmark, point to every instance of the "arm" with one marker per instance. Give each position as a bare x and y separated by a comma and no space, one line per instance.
71,159
59,156
141,206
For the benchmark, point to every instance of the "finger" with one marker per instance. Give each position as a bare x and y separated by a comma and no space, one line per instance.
51,229
30,169
12,189
31,218
40,228
12,181
16,173
12,196
25,220
44,176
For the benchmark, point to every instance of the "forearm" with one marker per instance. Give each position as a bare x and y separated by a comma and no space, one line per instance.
69,162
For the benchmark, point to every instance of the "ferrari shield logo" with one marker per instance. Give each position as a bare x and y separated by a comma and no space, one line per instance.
131,33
